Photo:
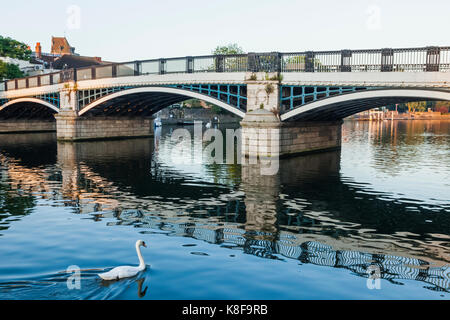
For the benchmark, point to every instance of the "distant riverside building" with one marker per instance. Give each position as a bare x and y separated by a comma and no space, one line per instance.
62,56
61,46
25,66
71,61
38,51
44,60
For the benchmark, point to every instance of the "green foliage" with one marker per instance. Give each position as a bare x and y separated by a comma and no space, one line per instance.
231,63
269,89
277,77
9,71
217,109
193,103
295,59
253,77
14,49
442,106
420,106
231,48
295,62
196,103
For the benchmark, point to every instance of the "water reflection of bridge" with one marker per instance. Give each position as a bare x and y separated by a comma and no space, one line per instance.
393,268
96,178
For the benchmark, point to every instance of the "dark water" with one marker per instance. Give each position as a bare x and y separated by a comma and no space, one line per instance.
223,231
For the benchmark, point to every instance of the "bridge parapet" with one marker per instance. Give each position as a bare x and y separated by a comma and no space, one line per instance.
425,59
370,79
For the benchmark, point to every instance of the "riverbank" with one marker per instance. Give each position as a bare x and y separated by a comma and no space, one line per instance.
376,115
189,115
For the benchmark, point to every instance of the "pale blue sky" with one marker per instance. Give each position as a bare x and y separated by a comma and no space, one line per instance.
129,30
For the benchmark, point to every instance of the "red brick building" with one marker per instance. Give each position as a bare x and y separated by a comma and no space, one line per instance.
62,55
61,46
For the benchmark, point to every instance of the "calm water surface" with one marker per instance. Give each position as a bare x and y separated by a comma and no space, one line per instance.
223,231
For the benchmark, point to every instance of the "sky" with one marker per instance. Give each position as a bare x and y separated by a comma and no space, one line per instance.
134,30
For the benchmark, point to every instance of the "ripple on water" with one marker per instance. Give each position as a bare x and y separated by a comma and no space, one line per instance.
198,253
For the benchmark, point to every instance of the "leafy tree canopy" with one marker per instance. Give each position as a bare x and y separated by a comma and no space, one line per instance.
14,49
231,48
9,71
421,106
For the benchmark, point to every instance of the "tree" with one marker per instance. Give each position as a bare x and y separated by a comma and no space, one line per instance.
217,109
419,106
231,48
14,49
193,103
229,63
9,71
299,63
442,107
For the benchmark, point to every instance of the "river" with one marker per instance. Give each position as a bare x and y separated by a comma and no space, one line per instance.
315,230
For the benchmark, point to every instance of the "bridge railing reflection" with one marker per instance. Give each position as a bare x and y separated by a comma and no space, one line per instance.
284,244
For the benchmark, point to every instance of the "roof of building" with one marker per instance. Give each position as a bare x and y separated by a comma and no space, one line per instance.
76,62
45,58
60,45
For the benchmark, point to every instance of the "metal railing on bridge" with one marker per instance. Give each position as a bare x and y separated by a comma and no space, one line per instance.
426,59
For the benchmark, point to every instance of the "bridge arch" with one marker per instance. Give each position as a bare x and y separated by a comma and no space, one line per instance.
167,96
29,100
339,107
28,108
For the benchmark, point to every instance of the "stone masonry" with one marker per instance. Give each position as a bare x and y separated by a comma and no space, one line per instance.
27,126
263,135
79,128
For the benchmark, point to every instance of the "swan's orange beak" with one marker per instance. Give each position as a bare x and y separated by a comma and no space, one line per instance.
145,246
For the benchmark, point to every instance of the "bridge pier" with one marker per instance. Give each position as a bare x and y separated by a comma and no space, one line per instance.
310,136
265,135
72,127
26,125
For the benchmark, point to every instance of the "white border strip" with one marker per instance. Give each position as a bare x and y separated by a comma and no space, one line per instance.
34,100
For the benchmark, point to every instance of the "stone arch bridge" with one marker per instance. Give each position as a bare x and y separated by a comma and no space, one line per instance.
302,96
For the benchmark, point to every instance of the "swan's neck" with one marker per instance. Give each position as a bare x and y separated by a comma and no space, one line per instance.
141,259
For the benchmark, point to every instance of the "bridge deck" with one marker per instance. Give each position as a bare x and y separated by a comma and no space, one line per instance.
403,60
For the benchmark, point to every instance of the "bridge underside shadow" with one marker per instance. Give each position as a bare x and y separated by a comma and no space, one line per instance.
125,113
341,106
134,105
27,110
147,100
316,125
341,110
27,117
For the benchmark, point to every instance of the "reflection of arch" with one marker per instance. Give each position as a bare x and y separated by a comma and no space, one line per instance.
177,94
29,100
339,107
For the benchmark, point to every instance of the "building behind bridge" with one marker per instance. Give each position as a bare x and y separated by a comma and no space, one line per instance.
62,55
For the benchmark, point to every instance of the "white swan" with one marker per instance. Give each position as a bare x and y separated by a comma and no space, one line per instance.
126,271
